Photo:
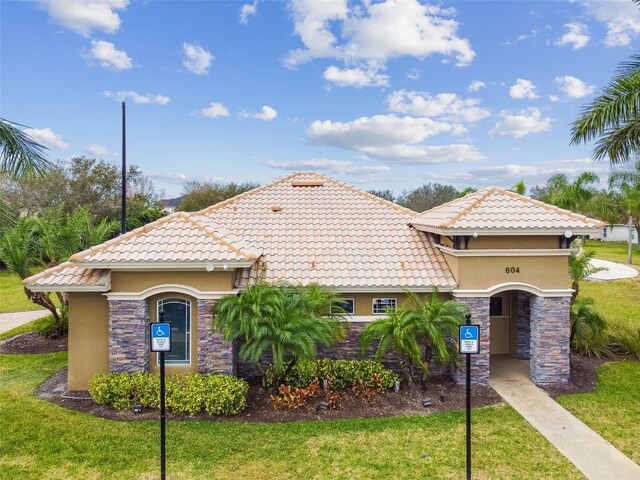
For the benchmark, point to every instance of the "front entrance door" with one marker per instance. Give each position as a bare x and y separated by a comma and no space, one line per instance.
500,323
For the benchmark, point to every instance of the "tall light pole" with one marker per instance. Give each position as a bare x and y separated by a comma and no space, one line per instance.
123,218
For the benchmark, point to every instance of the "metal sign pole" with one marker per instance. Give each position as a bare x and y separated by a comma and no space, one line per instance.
468,317
162,420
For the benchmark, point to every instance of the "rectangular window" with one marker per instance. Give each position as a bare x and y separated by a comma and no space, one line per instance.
348,305
381,304
177,312
495,306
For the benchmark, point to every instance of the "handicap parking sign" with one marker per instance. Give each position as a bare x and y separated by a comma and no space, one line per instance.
160,337
469,339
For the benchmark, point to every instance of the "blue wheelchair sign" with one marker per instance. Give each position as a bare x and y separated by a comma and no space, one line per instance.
160,337
469,339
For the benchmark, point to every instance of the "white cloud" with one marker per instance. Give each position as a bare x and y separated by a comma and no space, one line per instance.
372,33
525,36
622,19
214,110
267,113
425,154
414,74
523,89
526,122
379,131
137,97
446,106
554,98
355,77
196,59
476,85
99,151
573,87
248,10
340,167
46,137
577,36
83,16
109,56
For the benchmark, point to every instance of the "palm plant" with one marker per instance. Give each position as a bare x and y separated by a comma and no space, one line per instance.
628,182
588,329
571,195
20,155
288,322
580,268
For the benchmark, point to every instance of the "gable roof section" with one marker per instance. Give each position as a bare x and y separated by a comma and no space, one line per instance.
497,211
312,228
70,278
177,240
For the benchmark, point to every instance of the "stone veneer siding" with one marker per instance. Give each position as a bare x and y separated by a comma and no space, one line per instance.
128,336
550,330
215,355
479,307
523,312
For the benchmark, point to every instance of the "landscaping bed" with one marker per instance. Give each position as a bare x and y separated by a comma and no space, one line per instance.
33,343
260,406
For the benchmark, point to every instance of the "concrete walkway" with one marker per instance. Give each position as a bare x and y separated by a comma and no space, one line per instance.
611,270
13,320
596,458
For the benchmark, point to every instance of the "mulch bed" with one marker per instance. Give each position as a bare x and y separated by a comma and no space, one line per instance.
444,393
33,342
260,407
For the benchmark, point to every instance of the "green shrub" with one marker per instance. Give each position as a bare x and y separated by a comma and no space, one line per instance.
593,344
187,394
625,340
48,326
341,373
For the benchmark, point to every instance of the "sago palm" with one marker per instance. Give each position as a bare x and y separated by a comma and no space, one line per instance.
588,329
580,268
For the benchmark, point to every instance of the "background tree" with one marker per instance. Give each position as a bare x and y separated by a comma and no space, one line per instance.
198,195
386,194
520,188
627,184
284,321
427,196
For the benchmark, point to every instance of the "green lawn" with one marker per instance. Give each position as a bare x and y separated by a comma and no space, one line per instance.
12,297
613,409
40,440
619,300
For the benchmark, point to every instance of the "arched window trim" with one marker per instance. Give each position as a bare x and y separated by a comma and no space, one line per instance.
159,304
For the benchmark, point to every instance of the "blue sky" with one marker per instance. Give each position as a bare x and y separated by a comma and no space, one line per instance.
378,94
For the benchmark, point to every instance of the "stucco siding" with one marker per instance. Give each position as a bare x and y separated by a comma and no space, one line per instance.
140,281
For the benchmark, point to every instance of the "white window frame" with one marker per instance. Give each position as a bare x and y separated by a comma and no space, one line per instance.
385,300
187,303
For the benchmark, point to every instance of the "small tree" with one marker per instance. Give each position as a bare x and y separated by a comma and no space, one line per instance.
579,269
288,322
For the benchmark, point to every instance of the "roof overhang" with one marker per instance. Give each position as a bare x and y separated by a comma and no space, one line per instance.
509,252
507,232
104,287
145,266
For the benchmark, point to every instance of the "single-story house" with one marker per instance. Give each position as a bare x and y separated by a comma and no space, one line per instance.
502,254
616,233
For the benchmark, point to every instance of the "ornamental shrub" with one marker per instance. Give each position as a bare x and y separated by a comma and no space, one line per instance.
187,393
340,373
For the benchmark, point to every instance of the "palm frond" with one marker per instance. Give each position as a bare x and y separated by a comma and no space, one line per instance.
20,155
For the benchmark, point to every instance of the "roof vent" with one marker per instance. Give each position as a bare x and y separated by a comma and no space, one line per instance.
307,183
276,208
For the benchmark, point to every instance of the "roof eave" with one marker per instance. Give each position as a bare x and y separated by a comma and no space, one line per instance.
507,231
133,266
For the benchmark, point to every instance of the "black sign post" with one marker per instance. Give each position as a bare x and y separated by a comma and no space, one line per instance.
161,343
469,344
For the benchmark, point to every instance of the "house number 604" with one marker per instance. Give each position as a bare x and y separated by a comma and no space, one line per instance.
512,270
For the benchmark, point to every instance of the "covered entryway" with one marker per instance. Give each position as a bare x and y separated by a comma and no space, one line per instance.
510,320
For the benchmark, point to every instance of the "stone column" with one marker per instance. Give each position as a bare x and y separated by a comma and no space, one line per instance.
550,330
479,363
523,312
128,336
215,355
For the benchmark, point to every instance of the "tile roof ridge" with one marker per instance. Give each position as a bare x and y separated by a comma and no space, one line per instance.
368,195
224,203
482,194
207,231
48,272
124,237
552,208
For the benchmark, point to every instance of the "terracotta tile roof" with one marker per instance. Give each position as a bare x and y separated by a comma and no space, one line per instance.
494,209
311,228
70,276
176,238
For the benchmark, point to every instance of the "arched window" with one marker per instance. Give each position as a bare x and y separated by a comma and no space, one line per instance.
177,312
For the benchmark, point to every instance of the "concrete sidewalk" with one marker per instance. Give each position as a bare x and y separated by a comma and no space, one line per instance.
13,320
611,270
596,458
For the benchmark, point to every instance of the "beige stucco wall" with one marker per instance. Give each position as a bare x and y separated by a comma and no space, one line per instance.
485,272
500,327
531,241
88,338
153,316
139,281
364,301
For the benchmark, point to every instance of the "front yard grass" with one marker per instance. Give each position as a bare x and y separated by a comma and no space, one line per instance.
41,440
614,252
613,409
12,297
